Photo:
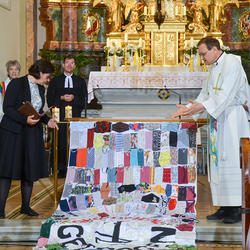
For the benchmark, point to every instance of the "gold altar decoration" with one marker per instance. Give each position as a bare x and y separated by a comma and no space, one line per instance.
92,25
244,25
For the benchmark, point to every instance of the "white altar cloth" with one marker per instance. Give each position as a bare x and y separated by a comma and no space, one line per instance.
144,80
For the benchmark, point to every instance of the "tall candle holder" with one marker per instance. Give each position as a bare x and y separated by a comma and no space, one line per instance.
191,62
125,58
108,64
204,69
140,60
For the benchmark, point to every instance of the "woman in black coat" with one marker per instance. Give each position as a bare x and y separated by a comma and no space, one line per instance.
22,151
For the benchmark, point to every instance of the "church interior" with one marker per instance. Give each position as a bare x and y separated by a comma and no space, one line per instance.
139,58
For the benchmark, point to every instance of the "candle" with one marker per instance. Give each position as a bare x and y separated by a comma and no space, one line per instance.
145,10
126,37
108,42
56,114
176,10
184,10
140,42
68,112
153,10
192,42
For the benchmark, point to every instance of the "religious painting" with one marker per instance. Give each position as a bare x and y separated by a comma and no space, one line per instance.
244,25
92,25
5,4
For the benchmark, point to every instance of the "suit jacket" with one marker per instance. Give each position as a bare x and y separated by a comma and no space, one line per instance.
56,90
17,93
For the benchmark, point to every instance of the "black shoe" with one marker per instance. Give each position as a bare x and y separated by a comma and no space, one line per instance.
61,174
29,212
2,215
221,213
233,217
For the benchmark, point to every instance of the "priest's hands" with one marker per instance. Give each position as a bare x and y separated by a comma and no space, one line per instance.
192,110
67,98
52,124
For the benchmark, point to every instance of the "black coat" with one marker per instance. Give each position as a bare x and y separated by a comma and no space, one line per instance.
56,90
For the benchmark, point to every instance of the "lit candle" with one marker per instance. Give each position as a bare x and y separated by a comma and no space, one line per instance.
184,10
126,37
140,42
108,42
192,42
56,114
145,10
68,112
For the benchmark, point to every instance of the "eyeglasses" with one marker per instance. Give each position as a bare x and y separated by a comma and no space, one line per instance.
203,54
67,63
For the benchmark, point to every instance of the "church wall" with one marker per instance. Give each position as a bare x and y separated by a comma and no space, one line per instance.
13,34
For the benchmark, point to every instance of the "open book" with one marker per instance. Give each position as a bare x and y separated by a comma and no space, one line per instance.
27,109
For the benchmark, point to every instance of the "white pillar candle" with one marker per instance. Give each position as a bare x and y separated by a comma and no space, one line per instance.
68,112
192,42
126,37
184,10
140,42
56,114
176,10
145,10
108,42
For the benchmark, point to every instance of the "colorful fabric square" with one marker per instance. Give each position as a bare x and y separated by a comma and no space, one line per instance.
90,176
133,140
174,156
166,175
98,158
105,190
174,174
109,201
158,175
126,159
81,157
114,192
97,199
67,190
80,175
105,158
126,142
134,157
120,175
119,142
128,175
140,157
127,188
189,125
183,138
64,206
164,126
103,175
120,127
168,190
72,203
106,141
182,193
158,189
152,176
164,140
98,141
150,198
90,158
173,139
70,175
164,158
175,189
72,158
192,137
190,207
148,158
2,89
112,141
182,155
191,193
80,202
90,138
102,127
172,204
112,174
136,175
119,159
152,125
191,174
192,156
148,140
145,174
137,196
111,158
137,126
156,140
143,187
89,200
172,126
156,156
182,175
141,139
96,176
119,208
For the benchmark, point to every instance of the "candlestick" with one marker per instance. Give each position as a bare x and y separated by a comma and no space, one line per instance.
68,112
108,42
125,58
126,37
191,66
184,10
158,5
108,69
140,42
56,114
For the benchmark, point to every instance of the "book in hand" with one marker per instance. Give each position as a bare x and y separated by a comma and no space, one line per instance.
27,109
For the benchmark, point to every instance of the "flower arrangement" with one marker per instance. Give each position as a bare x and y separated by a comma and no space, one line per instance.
114,51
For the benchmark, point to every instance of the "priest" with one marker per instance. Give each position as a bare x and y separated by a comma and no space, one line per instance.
222,98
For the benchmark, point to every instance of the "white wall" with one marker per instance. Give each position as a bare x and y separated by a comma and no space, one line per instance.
13,35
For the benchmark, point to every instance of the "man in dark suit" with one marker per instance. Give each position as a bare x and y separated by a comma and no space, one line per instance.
66,90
